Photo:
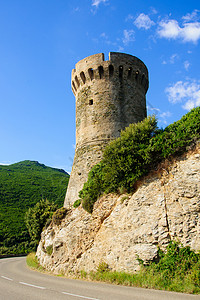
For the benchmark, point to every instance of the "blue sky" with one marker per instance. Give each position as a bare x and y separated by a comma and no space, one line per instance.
42,40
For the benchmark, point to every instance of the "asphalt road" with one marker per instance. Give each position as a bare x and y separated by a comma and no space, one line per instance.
17,282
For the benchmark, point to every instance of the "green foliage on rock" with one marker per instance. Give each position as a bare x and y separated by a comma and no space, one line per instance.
22,185
49,249
59,215
176,269
77,203
132,155
36,218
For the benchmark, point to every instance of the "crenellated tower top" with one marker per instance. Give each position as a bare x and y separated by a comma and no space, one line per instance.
120,65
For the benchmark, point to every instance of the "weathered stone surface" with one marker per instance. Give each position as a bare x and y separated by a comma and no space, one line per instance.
110,95
165,206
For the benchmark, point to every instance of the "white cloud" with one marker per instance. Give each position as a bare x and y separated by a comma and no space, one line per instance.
164,116
187,92
130,17
120,49
191,17
173,58
170,29
151,108
153,11
186,65
97,2
143,21
128,36
191,32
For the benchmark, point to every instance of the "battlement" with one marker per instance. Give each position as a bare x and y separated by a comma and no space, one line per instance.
121,66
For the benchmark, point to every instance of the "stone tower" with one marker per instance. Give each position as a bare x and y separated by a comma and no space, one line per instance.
110,95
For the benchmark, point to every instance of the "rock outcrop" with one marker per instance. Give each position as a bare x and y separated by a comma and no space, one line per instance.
166,206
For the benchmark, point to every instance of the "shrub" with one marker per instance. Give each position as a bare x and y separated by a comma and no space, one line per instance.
103,267
140,146
176,269
93,188
176,137
58,215
36,218
49,249
77,203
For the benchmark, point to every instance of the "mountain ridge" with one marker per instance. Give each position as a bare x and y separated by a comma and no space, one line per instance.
22,185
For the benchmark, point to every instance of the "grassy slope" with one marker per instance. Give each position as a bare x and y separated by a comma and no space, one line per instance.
22,185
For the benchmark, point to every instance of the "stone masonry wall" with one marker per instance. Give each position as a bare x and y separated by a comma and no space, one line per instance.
110,95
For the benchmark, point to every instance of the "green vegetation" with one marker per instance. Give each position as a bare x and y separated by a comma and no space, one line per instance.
49,249
32,262
178,270
59,215
77,203
22,185
36,217
140,147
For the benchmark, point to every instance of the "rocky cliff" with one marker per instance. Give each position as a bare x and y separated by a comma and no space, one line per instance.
165,206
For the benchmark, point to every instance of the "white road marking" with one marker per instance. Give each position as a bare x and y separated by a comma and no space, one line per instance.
7,278
32,285
79,296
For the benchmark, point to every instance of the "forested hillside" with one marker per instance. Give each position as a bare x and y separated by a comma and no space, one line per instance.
22,185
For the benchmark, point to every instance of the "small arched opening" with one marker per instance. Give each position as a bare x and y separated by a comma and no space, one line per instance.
74,87
136,75
91,102
129,72
120,72
111,70
77,81
91,73
101,72
82,75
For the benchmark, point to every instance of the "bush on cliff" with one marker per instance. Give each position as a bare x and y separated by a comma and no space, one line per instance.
133,154
59,215
36,218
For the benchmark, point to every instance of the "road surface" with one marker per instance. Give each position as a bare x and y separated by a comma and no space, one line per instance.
17,282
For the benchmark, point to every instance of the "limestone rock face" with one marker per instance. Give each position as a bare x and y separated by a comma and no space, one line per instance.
166,206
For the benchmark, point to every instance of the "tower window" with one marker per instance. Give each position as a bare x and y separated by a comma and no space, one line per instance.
111,70
120,71
91,102
73,85
136,75
129,72
83,77
77,81
100,72
91,73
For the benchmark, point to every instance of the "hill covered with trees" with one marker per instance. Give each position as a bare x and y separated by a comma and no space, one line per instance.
22,185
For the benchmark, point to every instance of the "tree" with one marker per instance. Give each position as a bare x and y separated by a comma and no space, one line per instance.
36,218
